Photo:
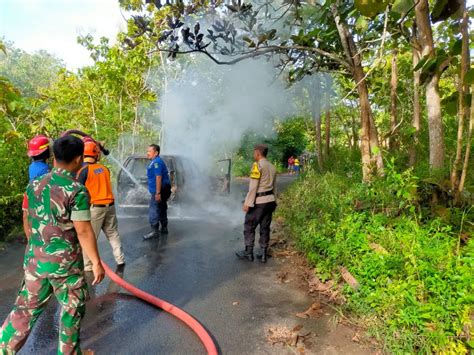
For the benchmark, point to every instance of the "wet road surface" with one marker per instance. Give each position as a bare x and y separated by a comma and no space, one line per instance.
194,267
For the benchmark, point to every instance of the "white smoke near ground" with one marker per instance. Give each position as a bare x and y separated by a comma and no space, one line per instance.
205,112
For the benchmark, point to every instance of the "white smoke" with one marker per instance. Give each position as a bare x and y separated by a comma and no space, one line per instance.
206,111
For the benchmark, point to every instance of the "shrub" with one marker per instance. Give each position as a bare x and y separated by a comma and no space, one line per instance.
417,283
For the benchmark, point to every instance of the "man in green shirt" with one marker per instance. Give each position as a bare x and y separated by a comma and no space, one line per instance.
59,221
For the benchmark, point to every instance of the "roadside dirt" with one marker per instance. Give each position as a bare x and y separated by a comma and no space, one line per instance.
321,328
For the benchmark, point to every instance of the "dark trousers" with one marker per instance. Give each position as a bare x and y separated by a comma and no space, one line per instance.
261,215
158,211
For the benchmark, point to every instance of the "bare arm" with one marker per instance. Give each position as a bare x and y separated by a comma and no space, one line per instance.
88,242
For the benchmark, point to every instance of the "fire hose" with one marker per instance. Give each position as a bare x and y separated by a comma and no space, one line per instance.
187,319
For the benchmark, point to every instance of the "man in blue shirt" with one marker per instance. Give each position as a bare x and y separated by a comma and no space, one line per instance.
38,151
159,186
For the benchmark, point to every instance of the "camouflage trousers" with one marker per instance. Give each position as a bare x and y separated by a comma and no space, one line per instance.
35,292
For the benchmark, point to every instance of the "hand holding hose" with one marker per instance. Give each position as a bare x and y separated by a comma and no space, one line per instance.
84,135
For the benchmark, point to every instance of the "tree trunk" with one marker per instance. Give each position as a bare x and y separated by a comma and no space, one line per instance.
316,108
463,90
468,145
369,146
355,136
433,101
393,101
416,109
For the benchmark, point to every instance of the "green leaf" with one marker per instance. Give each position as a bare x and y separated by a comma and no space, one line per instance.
469,78
421,63
450,104
370,8
456,48
361,24
443,9
402,6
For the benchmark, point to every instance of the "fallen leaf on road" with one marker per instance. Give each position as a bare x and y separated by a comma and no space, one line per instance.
282,276
356,338
315,284
297,328
312,312
283,335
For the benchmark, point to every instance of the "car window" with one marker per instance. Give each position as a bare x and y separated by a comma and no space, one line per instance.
137,167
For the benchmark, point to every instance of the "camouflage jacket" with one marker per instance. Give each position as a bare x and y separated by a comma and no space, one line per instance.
55,200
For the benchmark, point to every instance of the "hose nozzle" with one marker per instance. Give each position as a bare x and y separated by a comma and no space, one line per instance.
87,137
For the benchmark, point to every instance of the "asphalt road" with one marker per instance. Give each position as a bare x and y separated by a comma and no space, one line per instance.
194,267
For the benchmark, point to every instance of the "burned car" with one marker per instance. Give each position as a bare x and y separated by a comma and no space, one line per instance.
185,176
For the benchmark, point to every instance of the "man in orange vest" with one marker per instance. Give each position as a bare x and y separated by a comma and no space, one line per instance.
96,177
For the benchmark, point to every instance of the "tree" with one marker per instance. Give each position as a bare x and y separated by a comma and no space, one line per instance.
316,37
463,105
30,73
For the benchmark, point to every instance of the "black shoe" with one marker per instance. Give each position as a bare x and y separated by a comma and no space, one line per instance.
119,269
263,255
245,254
164,230
155,233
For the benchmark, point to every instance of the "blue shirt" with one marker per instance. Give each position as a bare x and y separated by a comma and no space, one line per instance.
157,167
37,168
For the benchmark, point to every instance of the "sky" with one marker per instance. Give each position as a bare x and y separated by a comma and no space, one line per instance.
54,25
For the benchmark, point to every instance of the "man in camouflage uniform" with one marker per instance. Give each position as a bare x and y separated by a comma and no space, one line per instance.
59,218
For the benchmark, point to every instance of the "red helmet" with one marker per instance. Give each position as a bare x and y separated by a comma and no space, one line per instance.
38,145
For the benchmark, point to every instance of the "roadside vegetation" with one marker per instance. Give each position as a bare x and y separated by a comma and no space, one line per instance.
413,263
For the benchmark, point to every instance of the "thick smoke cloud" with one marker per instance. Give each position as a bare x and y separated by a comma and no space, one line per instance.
207,110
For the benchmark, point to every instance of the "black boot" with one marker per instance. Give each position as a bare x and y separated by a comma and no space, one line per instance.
245,254
164,229
263,255
155,233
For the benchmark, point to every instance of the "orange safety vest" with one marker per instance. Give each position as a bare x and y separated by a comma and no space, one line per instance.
98,183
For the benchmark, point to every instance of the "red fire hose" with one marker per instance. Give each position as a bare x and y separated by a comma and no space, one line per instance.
192,323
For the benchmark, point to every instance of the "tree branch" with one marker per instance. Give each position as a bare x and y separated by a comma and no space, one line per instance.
258,52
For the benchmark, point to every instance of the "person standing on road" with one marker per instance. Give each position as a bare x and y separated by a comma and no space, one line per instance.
291,163
96,177
38,151
297,166
59,218
259,204
159,186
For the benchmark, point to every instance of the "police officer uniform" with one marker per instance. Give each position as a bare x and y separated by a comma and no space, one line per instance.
261,200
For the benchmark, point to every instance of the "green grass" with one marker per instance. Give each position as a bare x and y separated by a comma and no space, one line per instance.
416,275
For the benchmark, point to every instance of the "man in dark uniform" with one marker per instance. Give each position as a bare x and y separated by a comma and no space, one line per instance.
159,186
259,204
